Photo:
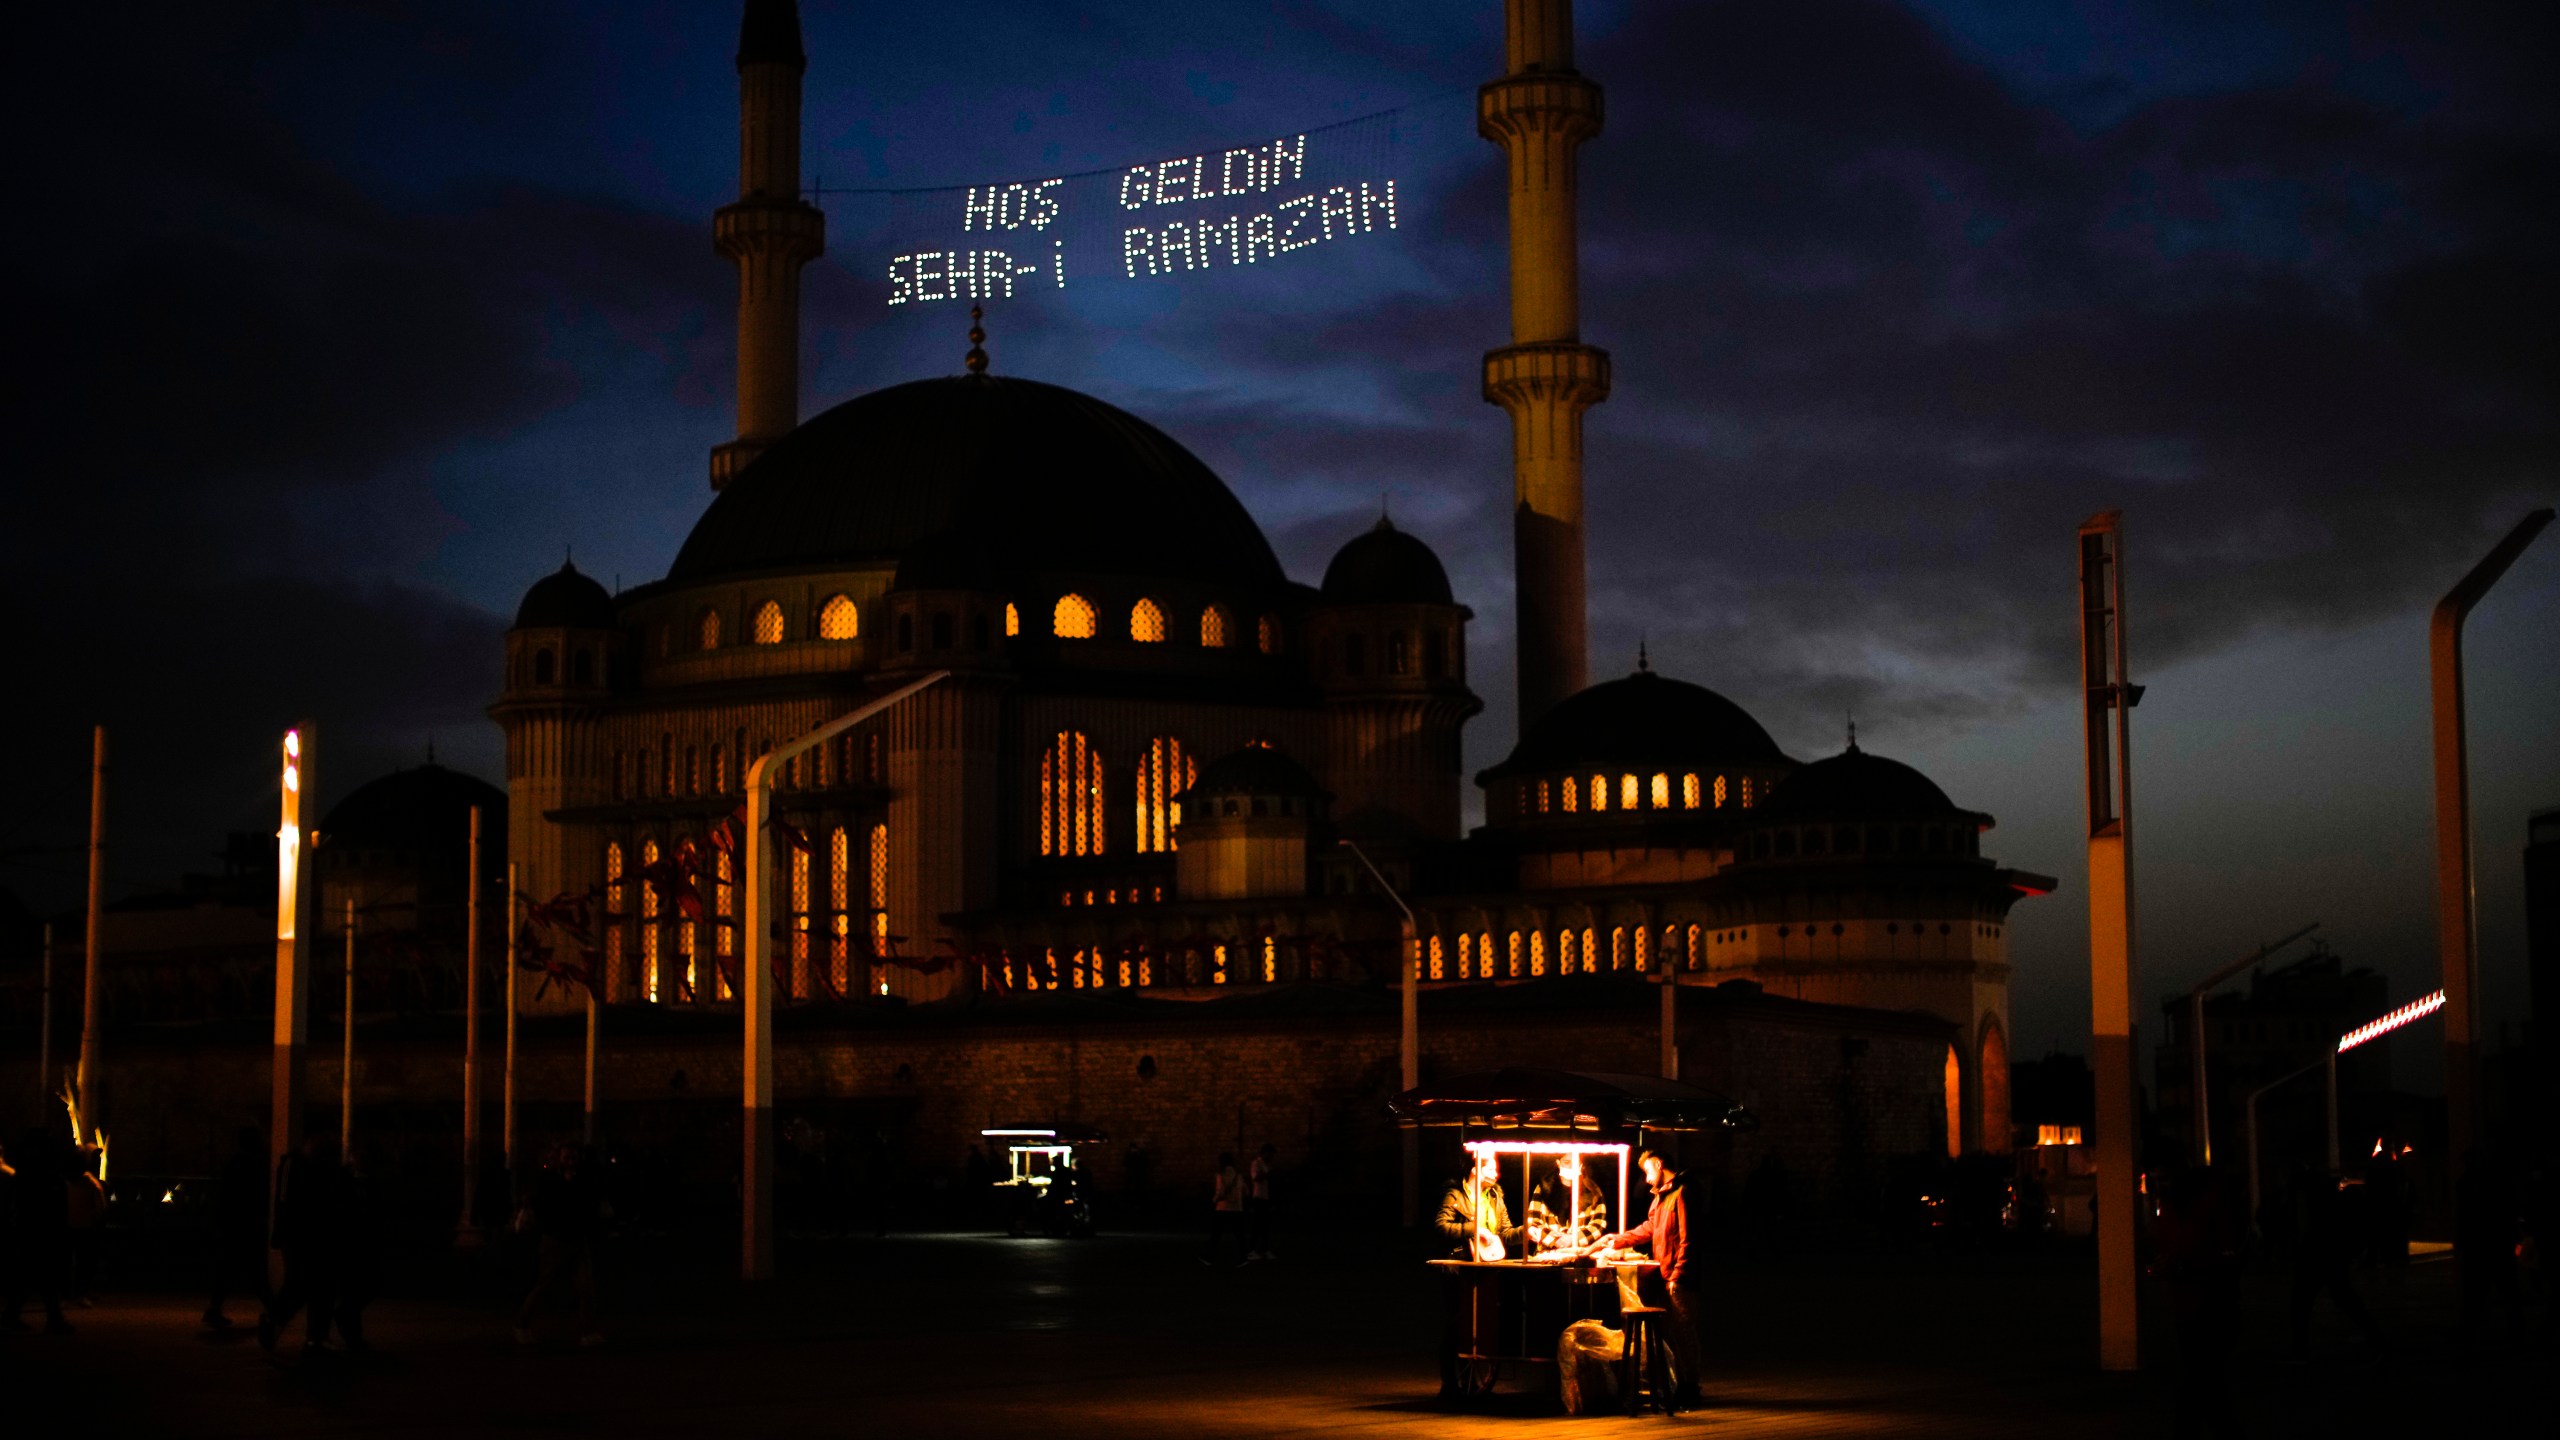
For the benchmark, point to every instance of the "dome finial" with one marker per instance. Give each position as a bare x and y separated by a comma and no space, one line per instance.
1644,662
1853,732
976,359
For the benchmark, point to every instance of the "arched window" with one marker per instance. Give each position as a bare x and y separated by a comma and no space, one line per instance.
1513,968
839,619
1568,959
1618,947
1438,960
1071,796
1572,796
1720,792
1630,794
1661,792
839,902
1164,771
1213,628
1599,792
799,982
1542,797
1399,654
1746,792
1012,619
1955,1105
649,926
1590,952
1537,952
1688,792
707,630
724,912
617,986
1435,655
1696,958
1269,634
544,667
1643,935
768,624
1146,622
1073,618
879,890
686,984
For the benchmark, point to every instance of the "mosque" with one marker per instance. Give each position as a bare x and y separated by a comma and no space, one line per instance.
1158,767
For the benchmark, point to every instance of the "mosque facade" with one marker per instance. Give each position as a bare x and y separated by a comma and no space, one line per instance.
1156,764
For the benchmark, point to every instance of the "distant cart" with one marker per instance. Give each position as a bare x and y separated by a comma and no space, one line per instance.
1570,1134
1042,1190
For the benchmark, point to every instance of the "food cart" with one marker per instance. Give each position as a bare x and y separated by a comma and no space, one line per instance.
1506,1312
1042,1188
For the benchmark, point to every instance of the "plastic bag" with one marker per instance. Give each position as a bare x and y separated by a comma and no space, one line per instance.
1587,1357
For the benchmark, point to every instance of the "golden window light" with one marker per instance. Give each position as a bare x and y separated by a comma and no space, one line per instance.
768,629
1537,952
1484,956
1630,793
1270,959
708,630
1515,955
1012,619
616,984
1164,771
1437,959
1694,955
879,890
1746,792
1213,628
839,900
724,904
1572,796
1146,622
799,924
1071,796
1661,792
1688,792
1564,952
649,927
1590,952
1643,935
1720,792
1599,792
1618,947
687,984
839,619
1072,619
1269,634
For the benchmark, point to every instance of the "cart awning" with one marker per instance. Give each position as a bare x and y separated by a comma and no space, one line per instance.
1568,1100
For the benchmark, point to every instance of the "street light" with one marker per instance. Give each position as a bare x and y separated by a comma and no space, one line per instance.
1409,964
2203,1117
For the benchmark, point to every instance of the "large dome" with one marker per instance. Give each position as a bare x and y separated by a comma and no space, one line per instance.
1038,477
1857,786
416,810
1643,722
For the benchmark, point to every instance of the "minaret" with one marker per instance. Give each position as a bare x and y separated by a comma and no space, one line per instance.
771,232
1540,112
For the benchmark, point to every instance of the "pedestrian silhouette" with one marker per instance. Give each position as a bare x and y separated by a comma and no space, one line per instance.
309,1186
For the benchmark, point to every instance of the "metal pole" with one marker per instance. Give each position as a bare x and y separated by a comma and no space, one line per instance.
1409,1038
92,1078
507,1097
44,1021
2203,1117
466,1233
2108,696
755,965
293,974
2330,1065
347,1046
2457,944
587,1132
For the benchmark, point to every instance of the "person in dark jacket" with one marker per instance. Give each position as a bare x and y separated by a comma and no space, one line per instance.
567,1216
309,1189
1665,1232
34,1246
1476,1221
237,1256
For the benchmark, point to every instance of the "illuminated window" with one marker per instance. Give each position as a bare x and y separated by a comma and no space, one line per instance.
1218,974
1399,654
1071,796
1565,963
1270,959
1661,792
1012,619
1514,968
839,901
617,986
686,986
879,890
1955,1105
1696,957
1466,955
1484,956
707,630
1590,952
839,619
1746,792
799,924
1642,935
1630,793
1688,792
1542,797
1618,948
649,927
719,769
1537,952
1599,792
1213,628
1164,771
1269,634
1073,618
724,908
1146,622
1720,792
768,624
1437,959
1572,796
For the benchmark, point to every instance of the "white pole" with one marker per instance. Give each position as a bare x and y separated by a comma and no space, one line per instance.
92,1077
507,1100
347,1046
588,1131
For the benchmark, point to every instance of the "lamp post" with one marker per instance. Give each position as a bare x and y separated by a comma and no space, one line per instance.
93,1021
467,1234
755,964
2108,698
347,1047
293,976
2457,944
1409,1039
2373,1029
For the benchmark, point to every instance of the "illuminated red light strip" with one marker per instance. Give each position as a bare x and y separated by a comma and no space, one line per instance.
2414,1010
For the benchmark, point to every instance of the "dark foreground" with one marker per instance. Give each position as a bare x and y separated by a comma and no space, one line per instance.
1130,1336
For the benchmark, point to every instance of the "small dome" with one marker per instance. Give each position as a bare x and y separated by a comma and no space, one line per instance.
1257,769
1854,785
1643,722
425,809
1386,567
565,599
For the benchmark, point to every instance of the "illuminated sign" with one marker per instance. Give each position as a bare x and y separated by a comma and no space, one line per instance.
1244,206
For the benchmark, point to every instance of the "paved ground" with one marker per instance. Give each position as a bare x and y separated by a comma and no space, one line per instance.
1130,1336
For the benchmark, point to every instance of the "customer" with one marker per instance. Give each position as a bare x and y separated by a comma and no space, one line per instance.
1666,1232
566,1216
1226,1209
1476,1222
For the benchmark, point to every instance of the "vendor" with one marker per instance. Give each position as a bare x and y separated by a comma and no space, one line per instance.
1552,1210
1473,1206
1665,1232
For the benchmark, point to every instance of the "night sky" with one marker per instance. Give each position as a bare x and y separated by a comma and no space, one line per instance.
337,325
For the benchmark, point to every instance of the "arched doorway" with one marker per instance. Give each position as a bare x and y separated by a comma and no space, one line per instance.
1993,1087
